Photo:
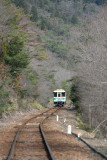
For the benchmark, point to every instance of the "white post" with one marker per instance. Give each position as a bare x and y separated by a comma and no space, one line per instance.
64,120
57,118
78,136
69,129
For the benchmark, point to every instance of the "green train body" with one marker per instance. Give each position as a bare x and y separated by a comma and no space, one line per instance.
59,97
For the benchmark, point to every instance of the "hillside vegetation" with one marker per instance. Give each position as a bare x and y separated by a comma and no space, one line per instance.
44,45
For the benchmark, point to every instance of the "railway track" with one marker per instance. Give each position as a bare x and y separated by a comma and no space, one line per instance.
67,147
40,137
30,141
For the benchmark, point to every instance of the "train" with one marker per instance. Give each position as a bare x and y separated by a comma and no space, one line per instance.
59,97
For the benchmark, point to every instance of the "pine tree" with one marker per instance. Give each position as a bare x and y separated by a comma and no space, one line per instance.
13,54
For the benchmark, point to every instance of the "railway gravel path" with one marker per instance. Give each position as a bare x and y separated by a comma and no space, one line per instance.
30,145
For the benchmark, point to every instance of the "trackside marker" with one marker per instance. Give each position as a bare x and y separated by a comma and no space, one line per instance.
57,118
79,134
64,120
69,129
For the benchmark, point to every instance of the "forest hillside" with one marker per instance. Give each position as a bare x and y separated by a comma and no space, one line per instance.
52,44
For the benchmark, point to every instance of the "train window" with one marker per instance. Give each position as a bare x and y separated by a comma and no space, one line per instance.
55,94
63,94
58,94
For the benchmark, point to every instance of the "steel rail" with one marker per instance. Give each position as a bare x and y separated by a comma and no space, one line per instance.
90,146
46,144
17,134
44,137
13,145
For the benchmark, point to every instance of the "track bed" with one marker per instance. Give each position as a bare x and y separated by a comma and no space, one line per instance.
30,145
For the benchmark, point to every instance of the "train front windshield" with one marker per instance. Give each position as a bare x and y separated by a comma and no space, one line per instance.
55,94
63,94
58,94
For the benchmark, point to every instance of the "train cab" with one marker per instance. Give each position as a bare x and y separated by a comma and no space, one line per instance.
59,97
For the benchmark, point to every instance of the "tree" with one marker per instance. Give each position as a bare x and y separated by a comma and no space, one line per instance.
13,55
15,46
74,19
21,3
100,2
41,3
34,14
74,93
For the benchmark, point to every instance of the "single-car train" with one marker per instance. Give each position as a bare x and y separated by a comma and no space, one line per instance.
59,97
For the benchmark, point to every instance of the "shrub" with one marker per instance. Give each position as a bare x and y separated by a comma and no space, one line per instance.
34,82
21,3
22,92
41,52
45,23
36,105
85,127
60,49
4,101
32,77
13,21
60,28
50,77
64,85
34,14
74,19
100,2
4,94
41,3
6,2
51,101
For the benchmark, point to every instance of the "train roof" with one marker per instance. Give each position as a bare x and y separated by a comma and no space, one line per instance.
59,90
